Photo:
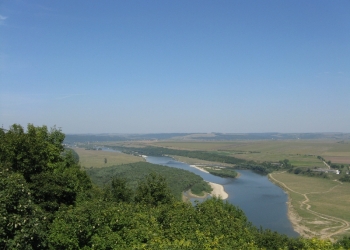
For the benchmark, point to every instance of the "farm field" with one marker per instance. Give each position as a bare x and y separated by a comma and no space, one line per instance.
301,153
96,158
319,207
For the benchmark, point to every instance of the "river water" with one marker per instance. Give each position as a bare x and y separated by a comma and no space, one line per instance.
264,203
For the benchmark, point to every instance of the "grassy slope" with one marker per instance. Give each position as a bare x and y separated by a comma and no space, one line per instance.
326,196
96,158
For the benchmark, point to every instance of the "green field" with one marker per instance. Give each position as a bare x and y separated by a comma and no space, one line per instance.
302,153
96,158
322,204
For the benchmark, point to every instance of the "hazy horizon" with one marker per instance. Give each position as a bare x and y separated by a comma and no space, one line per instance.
176,67
199,133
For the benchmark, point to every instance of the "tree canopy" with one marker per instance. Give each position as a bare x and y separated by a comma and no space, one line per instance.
37,178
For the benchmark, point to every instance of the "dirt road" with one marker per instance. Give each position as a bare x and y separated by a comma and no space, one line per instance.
325,233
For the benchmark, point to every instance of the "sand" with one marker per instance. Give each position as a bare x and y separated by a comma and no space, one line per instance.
199,168
218,190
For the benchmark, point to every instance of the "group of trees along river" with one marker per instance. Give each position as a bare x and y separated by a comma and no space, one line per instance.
48,202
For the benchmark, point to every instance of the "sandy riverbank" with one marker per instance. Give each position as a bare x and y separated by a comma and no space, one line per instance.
199,168
295,219
293,216
218,191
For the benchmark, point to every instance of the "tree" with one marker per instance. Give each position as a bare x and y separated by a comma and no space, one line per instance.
23,224
119,190
31,152
36,178
344,242
153,191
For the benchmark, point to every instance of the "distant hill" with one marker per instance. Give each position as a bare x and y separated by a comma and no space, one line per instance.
275,136
74,138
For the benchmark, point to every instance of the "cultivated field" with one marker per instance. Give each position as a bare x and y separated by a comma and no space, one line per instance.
302,153
338,159
96,158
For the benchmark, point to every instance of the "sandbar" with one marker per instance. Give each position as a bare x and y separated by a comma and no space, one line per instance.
218,190
199,168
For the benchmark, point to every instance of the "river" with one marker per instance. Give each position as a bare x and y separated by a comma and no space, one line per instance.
264,203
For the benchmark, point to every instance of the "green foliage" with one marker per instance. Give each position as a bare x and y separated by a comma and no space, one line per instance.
108,225
275,241
320,158
311,244
336,165
23,224
298,170
37,178
263,169
344,242
203,155
153,191
199,188
308,172
50,190
73,154
286,163
31,152
222,172
345,178
119,190
178,180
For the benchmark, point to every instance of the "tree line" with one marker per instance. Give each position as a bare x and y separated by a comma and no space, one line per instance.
178,180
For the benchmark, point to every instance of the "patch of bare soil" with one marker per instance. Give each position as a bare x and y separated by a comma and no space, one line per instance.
318,222
339,159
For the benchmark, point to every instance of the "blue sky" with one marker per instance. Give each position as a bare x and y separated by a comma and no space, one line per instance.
176,66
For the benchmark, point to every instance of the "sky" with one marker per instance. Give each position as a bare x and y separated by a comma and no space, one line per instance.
235,66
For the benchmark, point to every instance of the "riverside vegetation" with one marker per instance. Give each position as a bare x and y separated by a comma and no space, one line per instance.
48,202
178,180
